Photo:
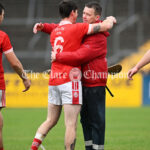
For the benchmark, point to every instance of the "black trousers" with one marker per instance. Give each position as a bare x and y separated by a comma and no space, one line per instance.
93,117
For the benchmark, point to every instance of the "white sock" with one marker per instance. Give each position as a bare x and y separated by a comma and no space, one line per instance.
39,136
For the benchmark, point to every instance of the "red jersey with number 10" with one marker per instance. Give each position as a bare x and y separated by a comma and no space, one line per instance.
5,47
66,37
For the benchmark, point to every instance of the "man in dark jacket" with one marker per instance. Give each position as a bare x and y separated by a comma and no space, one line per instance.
92,57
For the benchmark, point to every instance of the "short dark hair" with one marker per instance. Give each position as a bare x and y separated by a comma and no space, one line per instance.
1,8
66,7
96,6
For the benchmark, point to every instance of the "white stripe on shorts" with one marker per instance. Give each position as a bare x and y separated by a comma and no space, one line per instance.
2,98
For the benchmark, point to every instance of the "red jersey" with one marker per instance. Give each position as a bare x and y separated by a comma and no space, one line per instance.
66,37
92,56
5,47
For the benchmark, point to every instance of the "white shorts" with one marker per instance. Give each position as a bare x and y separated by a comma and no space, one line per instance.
2,98
68,93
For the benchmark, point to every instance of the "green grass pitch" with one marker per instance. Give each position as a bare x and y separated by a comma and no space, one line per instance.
126,129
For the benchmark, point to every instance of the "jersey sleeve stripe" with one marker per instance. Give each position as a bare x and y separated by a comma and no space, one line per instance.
90,29
8,51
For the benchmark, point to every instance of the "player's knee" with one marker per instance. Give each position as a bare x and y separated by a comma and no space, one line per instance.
102,120
71,125
51,122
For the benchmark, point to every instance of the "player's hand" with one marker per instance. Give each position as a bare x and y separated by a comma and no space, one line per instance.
48,71
132,72
53,56
112,19
108,23
38,27
27,84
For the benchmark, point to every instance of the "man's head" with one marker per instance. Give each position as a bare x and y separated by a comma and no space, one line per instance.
68,9
1,13
92,12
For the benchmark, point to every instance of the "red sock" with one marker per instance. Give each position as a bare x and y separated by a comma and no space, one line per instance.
1,148
35,144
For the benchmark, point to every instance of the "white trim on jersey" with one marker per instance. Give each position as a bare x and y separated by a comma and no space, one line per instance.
90,29
63,22
8,51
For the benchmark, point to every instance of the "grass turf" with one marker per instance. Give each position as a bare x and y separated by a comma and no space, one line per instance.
126,129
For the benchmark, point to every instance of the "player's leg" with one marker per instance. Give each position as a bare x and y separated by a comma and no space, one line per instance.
96,109
2,104
85,121
72,100
54,111
1,126
71,115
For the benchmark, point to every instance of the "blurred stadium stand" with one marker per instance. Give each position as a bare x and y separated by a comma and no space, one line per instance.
131,31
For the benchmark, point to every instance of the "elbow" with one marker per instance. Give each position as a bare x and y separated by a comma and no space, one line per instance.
15,66
76,65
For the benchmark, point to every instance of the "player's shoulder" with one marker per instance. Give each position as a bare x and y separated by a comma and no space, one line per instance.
80,24
3,34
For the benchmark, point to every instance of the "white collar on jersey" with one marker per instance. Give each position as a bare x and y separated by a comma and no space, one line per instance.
63,22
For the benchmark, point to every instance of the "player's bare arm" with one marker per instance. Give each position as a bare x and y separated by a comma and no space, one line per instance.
18,68
144,61
96,28
106,25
